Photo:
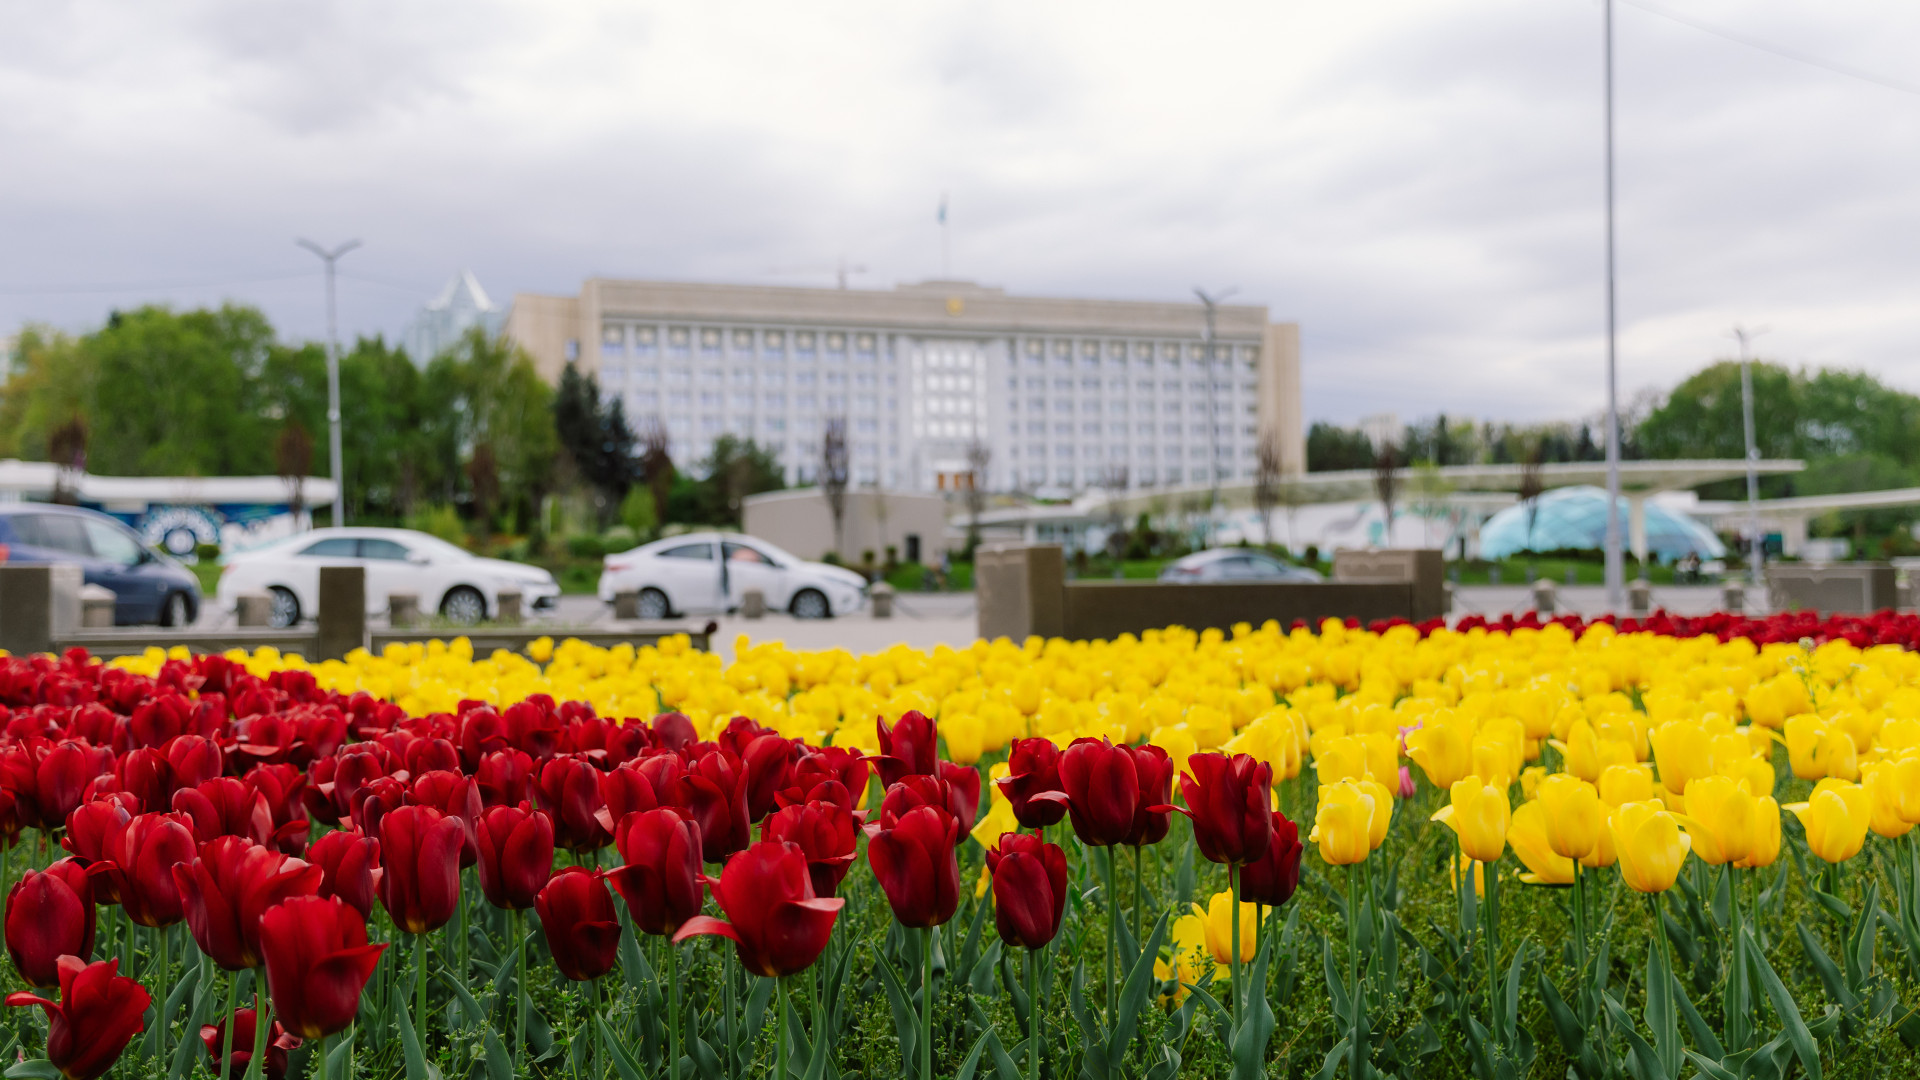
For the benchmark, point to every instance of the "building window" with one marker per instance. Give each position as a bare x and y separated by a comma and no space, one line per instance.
679,377
613,337
742,377
678,340
710,341
713,376
836,342
743,341
775,401
773,378
803,345
679,401
644,340
743,402
775,342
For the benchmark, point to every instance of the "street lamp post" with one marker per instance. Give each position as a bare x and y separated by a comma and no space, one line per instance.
1756,543
1615,564
1212,303
334,456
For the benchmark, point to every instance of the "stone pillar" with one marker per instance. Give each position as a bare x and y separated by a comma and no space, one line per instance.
753,604
403,610
342,625
1020,590
881,596
253,609
1733,598
96,607
507,606
38,606
1640,597
626,605
1544,596
1637,526
1423,568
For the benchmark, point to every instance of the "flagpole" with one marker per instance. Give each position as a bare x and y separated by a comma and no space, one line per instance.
946,247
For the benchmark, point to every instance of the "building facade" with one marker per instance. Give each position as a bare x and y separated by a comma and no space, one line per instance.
1062,395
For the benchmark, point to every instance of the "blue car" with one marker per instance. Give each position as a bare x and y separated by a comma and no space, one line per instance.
147,587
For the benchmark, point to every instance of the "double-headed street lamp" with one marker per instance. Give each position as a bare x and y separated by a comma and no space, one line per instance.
334,462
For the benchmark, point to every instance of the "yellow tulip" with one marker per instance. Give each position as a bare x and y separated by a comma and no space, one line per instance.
1622,784
1906,787
1763,842
1817,750
1882,782
1603,854
1757,773
1465,865
1443,750
1218,921
1342,823
1382,813
1720,819
1340,758
1530,835
1682,749
1650,846
1836,818
1478,815
1573,815
1531,778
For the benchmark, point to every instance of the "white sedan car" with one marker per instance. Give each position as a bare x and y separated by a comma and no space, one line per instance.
461,586
708,573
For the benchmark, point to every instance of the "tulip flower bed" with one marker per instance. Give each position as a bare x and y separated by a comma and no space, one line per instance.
1560,851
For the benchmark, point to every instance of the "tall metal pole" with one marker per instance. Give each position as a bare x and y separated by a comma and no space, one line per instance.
335,461
1212,303
1757,543
1615,564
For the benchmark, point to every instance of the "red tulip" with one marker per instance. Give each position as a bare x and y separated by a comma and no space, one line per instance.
583,931
144,773
910,792
87,830
908,748
336,781
98,1014
228,888
49,915
1155,771
570,791
137,862
768,760
916,866
629,790
534,726
963,792
504,777
1032,783
456,796
349,867
224,806
159,720
841,766
373,800
48,779
283,787
431,755
661,879
516,855
1029,889
1271,878
673,731
714,791
318,961
1227,800
420,871
279,1041
1103,790
777,925
826,831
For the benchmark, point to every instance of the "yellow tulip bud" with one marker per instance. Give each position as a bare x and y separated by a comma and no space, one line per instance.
1530,832
1817,749
1443,750
1465,865
1882,783
1763,841
1683,750
1836,818
1720,819
1622,784
1650,846
1478,815
1218,915
1339,758
1572,814
1342,823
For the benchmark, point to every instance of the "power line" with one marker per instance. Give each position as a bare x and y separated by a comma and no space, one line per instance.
1796,56
148,286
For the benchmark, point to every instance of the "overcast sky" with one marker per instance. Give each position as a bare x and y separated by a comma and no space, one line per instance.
1417,183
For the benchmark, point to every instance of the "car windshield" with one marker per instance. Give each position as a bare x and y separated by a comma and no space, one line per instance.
428,544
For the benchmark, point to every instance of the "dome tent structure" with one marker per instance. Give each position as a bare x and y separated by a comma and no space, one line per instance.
1576,518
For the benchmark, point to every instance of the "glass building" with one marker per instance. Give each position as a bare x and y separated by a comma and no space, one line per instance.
1575,518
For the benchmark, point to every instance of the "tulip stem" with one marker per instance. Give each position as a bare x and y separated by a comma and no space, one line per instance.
520,989
1356,1053
1033,1014
166,967
1494,1022
1136,894
419,990
673,1010
926,1008
1233,886
262,1023
226,1040
780,1036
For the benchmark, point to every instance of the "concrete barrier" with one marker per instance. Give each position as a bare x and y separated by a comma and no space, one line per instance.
96,606
342,623
626,604
507,606
881,597
753,604
253,609
403,610
1733,597
1425,569
38,606
1640,597
1021,590
1856,588
1545,596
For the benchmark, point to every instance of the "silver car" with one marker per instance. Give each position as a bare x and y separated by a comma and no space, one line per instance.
1235,564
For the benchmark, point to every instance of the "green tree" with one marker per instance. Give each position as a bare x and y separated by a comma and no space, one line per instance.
595,436
386,419
486,390
1332,447
734,469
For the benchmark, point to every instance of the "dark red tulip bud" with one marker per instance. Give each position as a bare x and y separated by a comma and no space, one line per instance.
349,867
373,800
225,806
1272,878
1032,784
815,768
318,961
1103,790
963,792
504,776
626,790
673,731
534,726
456,796
49,915
1029,889
283,786
910,792
194,759
916,866
516,855
87,830
570,791
768,760
431,755
137,862
159,720
98,1014
144,774
226,890
826,831
777,925
582,929
1227,800
420,867
1155,772
714,793
245,1021
909,748
661,879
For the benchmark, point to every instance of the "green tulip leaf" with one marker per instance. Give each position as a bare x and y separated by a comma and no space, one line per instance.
190,1046
1703,1036
906,1022
167,1010
1250,1035
1829,972
468,1006
1135,992
1642,1061
499,1067
623,1062
36,1069
754,1018
410,1036
972,1063
1331,1066
1784,1007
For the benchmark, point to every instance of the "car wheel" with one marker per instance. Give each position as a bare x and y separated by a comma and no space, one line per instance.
463,605
284,613
176,612
653,605
810,604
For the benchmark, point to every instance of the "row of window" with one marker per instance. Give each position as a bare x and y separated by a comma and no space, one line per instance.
618,374
1119,408
1136,478
645,339
1138,453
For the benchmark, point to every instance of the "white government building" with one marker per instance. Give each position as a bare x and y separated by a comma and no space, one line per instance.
1063,393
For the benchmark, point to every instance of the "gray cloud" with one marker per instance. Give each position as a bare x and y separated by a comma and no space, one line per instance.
1417,182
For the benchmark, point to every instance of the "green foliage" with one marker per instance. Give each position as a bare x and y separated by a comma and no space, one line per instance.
1331,447
595,435
637,513
438,519
734,469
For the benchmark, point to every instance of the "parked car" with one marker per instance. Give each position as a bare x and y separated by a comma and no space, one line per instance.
461,586
148,586
1234,564
709,572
